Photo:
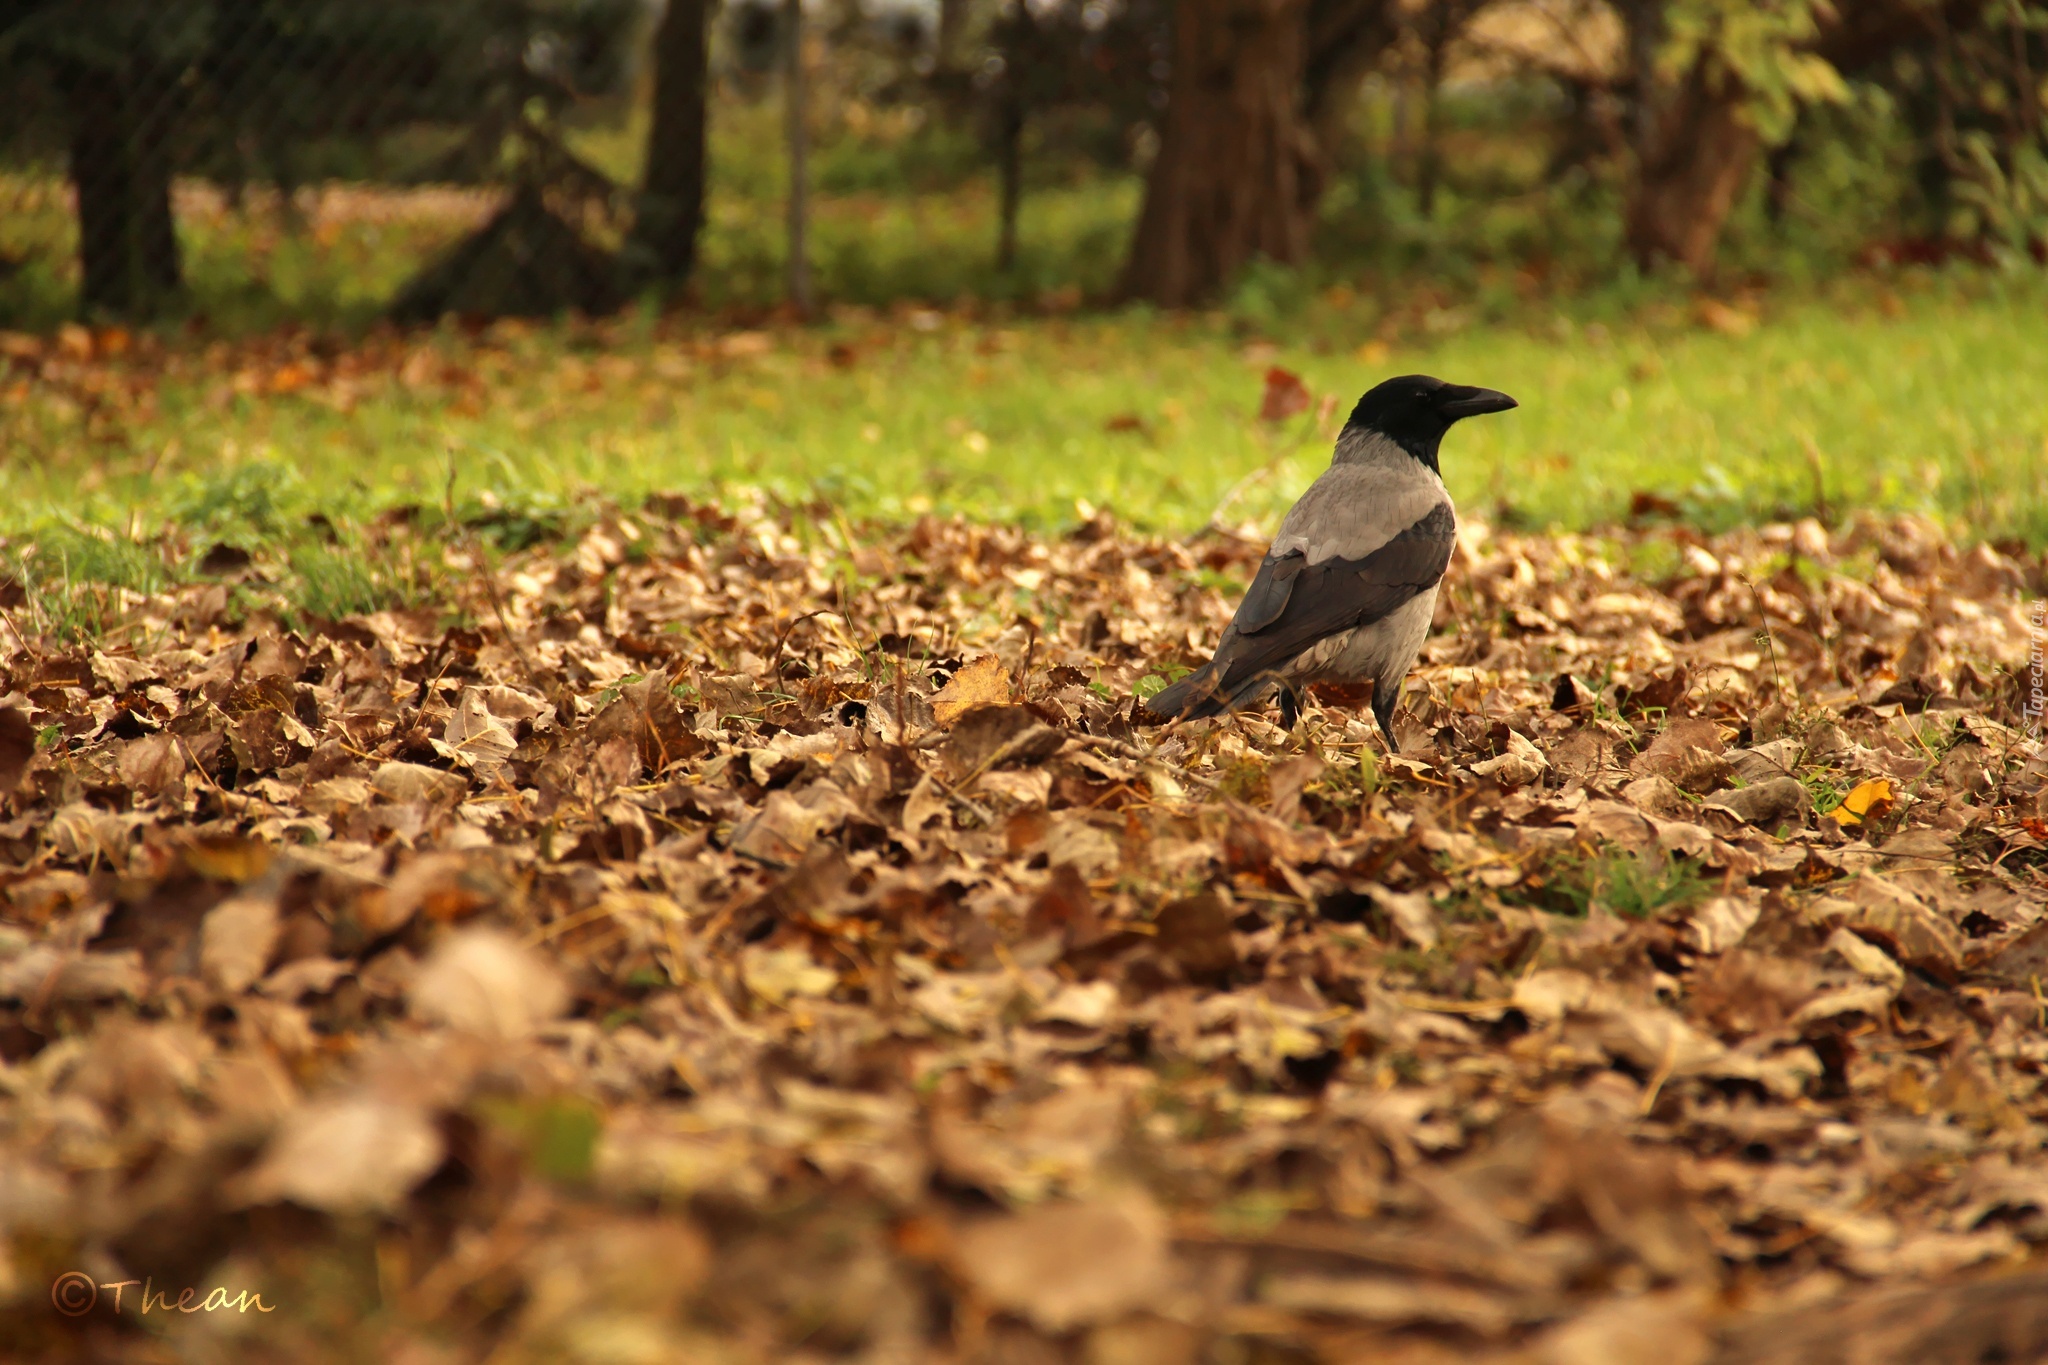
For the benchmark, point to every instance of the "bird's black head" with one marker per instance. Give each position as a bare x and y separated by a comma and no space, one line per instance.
1414,411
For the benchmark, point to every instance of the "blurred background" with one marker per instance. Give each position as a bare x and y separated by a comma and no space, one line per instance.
245,162
273,272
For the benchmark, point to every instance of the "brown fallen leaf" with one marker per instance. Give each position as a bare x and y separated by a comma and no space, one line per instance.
995,736
17,747
347,1154
238,936
415,782
1769,804
153,765
1397,1090
983,682
1284,396
1520,765
1396,1302
1063,1265
486,982
1724,318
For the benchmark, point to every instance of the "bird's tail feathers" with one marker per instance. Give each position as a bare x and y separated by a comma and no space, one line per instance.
1192,698
1209,691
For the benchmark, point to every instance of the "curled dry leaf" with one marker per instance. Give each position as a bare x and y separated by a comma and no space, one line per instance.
487,982
1067,1264
474,736
994,736
17,747
348,1154
984,682
1284,396
153,765
238,936
1520,765
1769,804
403,782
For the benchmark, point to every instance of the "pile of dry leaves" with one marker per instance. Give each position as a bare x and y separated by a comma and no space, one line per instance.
721,948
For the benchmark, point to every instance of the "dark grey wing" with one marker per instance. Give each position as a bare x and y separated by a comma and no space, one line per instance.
1292,606
1266,598
1201,693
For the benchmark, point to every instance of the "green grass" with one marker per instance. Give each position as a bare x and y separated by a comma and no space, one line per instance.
1626,884
1914,391
1936,401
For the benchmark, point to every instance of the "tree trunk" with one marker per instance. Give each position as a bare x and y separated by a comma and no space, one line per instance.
952,27
1778,164
1430,169
799,143
671,209
1019,50
1010,170
1238,173
1345,39
121,170
1688,178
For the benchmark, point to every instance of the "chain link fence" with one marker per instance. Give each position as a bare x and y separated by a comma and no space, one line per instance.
294,149
316,160
312,159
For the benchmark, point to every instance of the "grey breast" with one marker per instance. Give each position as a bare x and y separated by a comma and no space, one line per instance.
1372,492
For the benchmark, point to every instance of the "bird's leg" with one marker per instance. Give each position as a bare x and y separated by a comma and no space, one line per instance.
1290,707
1383,699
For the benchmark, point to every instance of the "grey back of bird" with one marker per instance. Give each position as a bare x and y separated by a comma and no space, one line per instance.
1346,591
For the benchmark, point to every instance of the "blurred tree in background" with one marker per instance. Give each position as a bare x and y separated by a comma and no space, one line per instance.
1326,136
670,211
286,92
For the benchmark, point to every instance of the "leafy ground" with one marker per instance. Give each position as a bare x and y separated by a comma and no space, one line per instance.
1924,393
743,938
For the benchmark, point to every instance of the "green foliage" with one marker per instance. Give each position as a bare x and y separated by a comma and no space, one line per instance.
1152,684
2009,195
73,577
330,582
1349,783
259,498
1824,794
1627,884
558,1136
1761,45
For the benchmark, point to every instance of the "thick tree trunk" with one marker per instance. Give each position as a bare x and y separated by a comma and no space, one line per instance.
1698,159
1238,173
671,208
121,170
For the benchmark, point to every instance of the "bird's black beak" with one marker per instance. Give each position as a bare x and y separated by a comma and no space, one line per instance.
1457,400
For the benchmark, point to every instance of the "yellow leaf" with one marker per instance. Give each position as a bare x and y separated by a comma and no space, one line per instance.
1871,800
985,682
1724,319
228,857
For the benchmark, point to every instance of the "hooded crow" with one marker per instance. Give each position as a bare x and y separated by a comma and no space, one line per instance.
1348,588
